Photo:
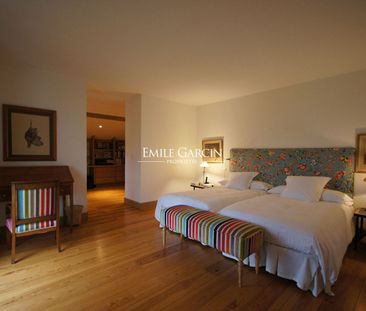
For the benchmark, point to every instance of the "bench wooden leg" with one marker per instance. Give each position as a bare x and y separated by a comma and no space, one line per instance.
164,237
181,236
257,261
240,273
258,258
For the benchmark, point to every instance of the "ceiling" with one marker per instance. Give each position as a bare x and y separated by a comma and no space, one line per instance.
110,104
188,51
110,128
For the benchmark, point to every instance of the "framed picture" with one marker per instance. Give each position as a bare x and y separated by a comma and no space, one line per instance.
213,151
29,134
361,154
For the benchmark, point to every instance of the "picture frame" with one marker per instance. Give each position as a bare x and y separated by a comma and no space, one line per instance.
29,134
361,154
213,150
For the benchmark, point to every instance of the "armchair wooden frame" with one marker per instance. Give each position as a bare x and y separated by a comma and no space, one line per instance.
15,186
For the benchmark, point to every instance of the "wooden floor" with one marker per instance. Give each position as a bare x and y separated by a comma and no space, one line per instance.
116,262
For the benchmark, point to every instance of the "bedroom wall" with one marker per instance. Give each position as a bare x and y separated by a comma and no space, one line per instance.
42,89
322,113
156,123
132,148
166,124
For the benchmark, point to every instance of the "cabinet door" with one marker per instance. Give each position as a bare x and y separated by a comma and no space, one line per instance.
104,175
120,174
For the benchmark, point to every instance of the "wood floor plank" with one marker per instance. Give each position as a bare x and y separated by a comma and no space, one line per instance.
361,302
116,262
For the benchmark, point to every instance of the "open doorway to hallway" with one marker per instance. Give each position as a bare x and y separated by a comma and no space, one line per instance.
102,200
105,145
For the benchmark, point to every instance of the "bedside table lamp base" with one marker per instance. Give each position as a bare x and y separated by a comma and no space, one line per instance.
204,164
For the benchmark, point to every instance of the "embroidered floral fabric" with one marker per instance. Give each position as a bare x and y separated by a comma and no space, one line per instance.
274,165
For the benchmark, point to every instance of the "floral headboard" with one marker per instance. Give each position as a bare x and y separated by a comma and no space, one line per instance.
274,165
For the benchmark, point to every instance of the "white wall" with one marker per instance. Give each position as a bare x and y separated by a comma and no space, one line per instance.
157,123
322,113
166,124
133,148
41,89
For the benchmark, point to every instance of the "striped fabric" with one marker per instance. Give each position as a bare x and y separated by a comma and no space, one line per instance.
235,237
238,238
35,203
32,227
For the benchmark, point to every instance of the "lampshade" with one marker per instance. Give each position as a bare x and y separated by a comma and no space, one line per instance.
204,164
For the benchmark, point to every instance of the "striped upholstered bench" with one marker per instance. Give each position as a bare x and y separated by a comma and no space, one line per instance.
235,237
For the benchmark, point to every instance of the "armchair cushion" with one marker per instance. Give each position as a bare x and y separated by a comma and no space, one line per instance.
30,227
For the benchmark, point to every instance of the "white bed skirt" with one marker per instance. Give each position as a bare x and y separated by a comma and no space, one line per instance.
302,268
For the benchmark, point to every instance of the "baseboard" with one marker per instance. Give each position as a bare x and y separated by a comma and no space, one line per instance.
137,204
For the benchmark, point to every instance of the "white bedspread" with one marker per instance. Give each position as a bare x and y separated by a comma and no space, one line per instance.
210,199
322,229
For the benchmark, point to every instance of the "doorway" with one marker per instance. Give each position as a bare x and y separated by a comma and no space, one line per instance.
105,145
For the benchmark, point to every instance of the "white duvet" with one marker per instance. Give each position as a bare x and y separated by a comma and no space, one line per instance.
322,229
211,199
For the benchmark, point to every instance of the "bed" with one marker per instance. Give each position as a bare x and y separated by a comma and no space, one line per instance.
211,199
304,242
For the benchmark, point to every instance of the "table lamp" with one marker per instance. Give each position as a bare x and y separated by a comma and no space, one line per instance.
204,164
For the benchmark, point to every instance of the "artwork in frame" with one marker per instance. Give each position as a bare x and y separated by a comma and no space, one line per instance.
29,134
213,151
361,153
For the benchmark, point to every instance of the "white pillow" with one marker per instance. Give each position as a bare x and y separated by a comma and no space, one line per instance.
277,190
304,188
260,185
336,196
240,180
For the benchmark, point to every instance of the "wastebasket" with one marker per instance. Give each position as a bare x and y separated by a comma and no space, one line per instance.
77,210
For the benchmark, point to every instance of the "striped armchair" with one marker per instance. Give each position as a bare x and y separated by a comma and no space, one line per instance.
34,210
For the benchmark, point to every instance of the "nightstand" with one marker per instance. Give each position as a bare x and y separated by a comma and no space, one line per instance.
201,186
360,214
